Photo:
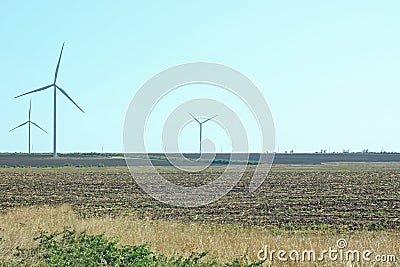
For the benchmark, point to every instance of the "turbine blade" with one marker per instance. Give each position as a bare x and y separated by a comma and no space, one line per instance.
58,64
209,119
39,127
19,126
194,117
36,90
62,91
30,108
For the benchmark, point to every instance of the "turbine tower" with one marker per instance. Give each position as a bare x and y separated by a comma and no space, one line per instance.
201,127
29,122
55,87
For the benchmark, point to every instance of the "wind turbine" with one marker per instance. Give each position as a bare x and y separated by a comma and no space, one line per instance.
55,87
201,126
29,122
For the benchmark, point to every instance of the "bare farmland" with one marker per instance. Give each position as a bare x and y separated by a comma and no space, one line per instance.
297,197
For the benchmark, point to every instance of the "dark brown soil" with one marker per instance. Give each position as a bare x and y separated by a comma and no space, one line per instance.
296,197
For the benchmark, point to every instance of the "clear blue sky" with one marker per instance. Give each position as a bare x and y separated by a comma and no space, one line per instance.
328,69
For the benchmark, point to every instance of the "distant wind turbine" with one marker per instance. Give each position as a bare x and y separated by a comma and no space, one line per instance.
201,127
29,122
55,87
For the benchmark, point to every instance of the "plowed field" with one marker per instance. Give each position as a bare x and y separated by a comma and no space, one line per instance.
292,197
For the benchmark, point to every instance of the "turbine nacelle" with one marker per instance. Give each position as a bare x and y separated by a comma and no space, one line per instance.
203,121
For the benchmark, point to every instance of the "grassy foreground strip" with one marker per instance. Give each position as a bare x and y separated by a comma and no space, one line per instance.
92,241
72,248
68,248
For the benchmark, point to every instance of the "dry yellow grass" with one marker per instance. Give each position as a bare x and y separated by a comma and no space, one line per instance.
223,242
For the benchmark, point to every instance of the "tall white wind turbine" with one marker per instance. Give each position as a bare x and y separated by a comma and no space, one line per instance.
201,127
29,122
55,88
